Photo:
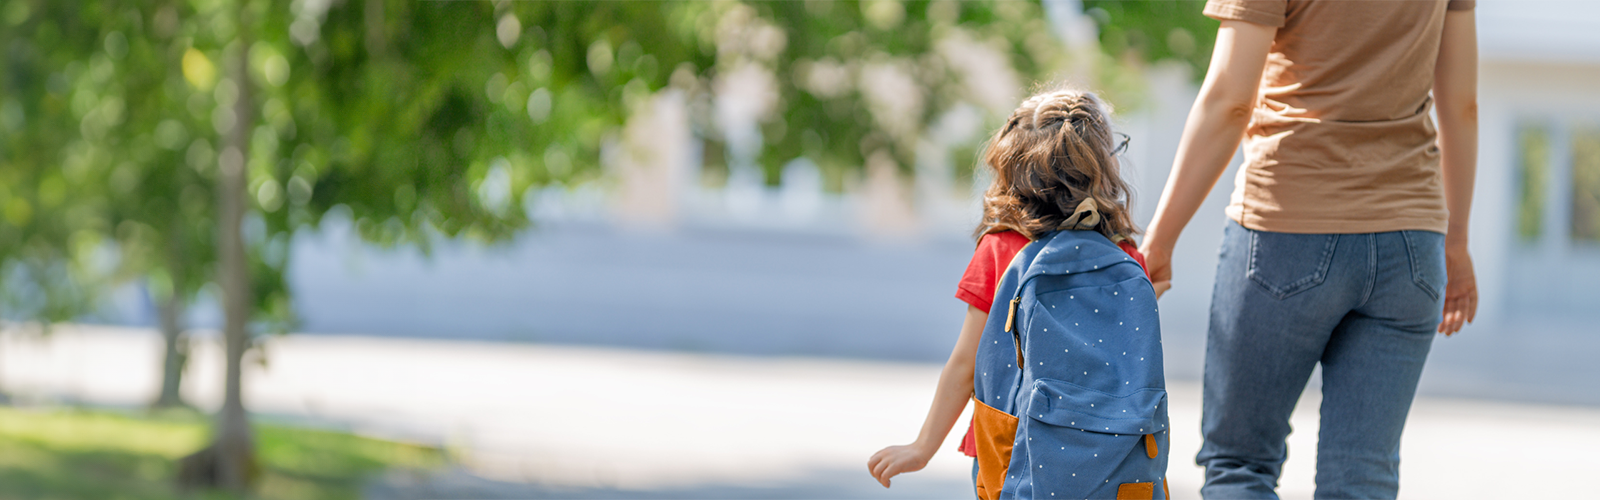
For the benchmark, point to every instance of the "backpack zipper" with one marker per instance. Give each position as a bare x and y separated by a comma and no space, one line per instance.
1016,336
1011,314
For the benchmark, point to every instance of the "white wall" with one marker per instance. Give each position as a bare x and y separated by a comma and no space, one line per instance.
1547,31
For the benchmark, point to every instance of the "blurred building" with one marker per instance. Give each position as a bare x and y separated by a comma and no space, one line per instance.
1537,213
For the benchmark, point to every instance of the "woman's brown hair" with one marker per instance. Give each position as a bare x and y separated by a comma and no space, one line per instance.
1054,152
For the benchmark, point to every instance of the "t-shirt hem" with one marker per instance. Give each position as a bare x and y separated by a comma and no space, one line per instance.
1278,225
1222,12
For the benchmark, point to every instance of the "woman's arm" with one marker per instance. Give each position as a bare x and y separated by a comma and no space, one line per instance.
1216,124
951,396
1455,95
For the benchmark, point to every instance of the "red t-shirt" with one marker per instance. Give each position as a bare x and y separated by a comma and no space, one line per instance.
977,287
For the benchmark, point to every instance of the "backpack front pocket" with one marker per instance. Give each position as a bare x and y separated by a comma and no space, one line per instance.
1083,443
994,433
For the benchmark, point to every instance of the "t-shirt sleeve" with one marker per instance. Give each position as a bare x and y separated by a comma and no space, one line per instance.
1263,12
1462,4
978,283
993,255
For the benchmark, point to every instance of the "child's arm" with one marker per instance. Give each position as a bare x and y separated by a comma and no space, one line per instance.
951,396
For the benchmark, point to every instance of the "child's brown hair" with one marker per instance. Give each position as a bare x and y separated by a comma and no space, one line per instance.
1054,152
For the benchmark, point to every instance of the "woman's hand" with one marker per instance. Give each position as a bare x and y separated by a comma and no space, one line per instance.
1158,261
1460,291
888,462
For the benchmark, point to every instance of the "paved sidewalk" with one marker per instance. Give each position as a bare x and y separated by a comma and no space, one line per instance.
544,421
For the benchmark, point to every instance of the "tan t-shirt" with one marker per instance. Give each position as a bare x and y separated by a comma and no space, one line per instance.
1341,141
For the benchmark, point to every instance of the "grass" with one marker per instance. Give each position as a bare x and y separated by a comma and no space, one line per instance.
82,454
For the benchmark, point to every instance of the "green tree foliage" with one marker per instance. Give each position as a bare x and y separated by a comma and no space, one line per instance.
430,119
50,200
595,60
840,127
821,57
1154,30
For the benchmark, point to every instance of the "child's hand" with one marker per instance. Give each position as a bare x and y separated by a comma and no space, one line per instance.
888,462
1158,262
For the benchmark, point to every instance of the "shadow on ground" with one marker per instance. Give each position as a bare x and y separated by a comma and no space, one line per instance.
840,484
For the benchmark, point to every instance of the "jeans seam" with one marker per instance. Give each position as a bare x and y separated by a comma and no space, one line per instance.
1372,269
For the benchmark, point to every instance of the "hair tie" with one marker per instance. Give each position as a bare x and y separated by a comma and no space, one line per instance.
1083,218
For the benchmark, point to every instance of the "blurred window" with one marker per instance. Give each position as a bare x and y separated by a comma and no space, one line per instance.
1533,171
1586,184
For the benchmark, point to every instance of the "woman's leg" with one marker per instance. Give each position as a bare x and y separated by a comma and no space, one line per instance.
1278,297
1372,364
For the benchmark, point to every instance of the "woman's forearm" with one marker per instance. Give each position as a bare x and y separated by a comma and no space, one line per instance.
955,384
1215,125
1455,91
1209,139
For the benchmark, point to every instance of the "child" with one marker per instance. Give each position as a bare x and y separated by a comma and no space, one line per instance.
1055,167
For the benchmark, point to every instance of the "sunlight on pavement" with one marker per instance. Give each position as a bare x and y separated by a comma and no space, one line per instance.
619,420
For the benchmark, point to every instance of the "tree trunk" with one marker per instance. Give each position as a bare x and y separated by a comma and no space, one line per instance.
229,463
234,445
376,41
171,312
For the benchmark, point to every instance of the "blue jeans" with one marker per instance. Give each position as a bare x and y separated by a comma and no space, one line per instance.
975,479
1365,306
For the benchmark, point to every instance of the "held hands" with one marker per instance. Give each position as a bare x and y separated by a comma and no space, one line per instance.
888,462
1159,262
1460,291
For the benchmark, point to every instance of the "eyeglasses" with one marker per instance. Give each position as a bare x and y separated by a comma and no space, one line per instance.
1123,147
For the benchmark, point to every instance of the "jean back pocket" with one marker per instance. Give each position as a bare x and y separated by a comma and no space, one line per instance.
1425,252
1286,264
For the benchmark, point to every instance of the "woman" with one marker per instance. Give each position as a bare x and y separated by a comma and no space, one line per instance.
1349,227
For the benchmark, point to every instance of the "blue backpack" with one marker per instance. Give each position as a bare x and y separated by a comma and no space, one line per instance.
1071,400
